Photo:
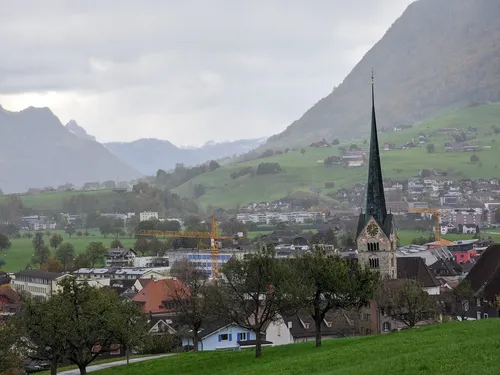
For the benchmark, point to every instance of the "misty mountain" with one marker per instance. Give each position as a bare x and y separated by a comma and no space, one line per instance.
439,54
77,130
36,150
149,154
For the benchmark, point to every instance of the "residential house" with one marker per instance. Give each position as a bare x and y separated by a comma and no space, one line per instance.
469,228
118,257
40,284
219,335
91,186
4,278
484,278
158,296
10,301
414,268
148,215
159,325
301,328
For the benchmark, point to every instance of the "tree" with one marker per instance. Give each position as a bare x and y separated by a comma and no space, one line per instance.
405,301
198,191
335,142
474,158
70,230
353,147
92,219
430,147
192,298
331,282
116,244
156,247
232,226
66,254
94,320
255,290
4,242
81,261
52,265
303,151
41,251
56,240
10,358
213,165
141,245
458,301
192,222
105,225
96,252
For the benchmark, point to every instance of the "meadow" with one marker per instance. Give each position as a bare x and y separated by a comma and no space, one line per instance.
459,348
21,251
304,171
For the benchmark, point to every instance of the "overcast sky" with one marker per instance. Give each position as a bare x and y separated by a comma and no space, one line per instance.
183,70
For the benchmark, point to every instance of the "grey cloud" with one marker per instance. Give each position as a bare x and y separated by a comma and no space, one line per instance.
187,71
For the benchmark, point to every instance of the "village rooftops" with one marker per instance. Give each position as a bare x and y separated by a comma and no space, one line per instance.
39,274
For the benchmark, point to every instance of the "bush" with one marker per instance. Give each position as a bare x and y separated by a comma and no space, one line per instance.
159,344
329,185
268,168
241,172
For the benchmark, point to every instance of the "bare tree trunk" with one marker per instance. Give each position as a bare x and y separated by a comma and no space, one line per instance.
83,369
195,340
258,345
127,353
317,323
53,366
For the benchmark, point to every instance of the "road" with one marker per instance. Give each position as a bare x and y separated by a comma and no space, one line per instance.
112,364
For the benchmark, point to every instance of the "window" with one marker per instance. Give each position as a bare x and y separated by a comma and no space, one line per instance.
373,246
225,337
386,326
242,336
392,262
374,263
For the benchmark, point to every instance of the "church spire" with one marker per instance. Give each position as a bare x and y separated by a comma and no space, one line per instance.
375,198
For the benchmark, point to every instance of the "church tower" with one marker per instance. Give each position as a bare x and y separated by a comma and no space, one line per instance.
375,237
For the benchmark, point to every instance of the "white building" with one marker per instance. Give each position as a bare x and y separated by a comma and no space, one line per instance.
121,273
38,283
148,215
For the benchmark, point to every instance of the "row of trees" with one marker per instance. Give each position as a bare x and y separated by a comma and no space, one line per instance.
75,326
64,256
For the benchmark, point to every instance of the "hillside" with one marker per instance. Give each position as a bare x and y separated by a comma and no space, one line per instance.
301,172
439,54
36,150
149,155
447,349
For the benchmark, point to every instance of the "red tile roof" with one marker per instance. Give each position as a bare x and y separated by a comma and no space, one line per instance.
154,293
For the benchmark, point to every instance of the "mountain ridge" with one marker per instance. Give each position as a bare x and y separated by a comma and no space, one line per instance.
438,54
37,150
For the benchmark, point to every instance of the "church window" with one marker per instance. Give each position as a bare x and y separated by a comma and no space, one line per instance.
392,262
373,246
374,263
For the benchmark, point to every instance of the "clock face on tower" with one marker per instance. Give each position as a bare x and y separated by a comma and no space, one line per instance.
372,230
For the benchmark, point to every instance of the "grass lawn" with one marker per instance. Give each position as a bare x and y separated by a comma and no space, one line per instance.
21,250
446,349
405,236
109,360
301,172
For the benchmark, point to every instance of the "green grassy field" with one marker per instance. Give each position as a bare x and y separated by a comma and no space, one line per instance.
300,172
447,349
21,250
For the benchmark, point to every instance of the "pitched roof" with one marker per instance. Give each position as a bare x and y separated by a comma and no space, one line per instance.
485,274
39,274
414,268
10,294
303,325
152,296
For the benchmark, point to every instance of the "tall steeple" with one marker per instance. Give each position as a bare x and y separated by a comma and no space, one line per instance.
375,198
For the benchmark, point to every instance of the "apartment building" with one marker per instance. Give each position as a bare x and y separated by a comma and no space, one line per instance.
38,283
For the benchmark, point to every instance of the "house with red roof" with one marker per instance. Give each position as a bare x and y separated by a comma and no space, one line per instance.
158,296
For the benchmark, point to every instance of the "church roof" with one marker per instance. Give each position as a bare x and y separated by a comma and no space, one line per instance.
375,198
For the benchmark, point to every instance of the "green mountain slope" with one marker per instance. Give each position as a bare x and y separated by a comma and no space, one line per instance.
460,348
301,172
439,54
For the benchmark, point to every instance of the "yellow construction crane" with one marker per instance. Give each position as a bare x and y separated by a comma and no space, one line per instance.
213,235
435,212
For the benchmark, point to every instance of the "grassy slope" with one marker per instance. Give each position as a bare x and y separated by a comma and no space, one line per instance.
301,172
447,349
54,200
21,251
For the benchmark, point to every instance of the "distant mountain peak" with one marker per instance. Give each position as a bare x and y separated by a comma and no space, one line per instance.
77,130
